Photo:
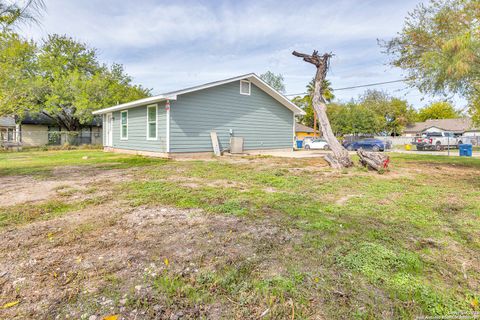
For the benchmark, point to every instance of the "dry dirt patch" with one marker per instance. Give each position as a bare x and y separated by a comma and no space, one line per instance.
21,189
48,264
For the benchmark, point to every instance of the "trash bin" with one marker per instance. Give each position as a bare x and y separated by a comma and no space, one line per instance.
408,147
465,150
299,144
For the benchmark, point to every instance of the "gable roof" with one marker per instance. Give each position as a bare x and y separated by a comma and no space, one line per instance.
301,128
454,125
252,77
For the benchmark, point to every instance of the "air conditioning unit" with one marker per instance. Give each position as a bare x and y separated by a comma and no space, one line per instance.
236,145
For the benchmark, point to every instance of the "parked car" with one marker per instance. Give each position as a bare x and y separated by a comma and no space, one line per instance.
366,144
308,139
436,141
316,144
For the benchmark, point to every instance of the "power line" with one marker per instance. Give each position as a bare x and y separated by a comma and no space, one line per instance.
354,87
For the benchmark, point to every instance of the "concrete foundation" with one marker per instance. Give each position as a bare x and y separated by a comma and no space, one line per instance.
193,155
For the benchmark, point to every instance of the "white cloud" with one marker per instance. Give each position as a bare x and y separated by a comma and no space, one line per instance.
169,45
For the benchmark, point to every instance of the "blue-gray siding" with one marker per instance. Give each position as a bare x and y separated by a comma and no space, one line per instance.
262,121
137,130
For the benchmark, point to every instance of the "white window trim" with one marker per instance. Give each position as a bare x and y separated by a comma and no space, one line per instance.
156,122
168,129
121,131
249,87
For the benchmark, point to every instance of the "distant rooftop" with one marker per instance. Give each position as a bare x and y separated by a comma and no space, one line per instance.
458,125
301,128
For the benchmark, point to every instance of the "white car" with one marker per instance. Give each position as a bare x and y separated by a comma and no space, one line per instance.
317,144
308,139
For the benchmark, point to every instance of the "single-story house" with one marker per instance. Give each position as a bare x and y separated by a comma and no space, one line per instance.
182,121
459,126
302,131
40,130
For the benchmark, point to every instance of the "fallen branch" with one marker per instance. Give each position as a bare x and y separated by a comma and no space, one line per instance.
373,160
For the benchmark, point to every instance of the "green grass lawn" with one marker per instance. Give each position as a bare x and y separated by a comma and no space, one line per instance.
43,162
397,245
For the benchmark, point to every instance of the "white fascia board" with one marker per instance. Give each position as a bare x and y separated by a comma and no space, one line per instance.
252,77
276,95
173,95
136,103
209,85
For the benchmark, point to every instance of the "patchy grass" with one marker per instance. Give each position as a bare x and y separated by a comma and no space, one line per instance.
27,213
434,159
21,214
373,235
398,245
43,162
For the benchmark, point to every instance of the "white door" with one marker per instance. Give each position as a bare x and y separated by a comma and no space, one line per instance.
109,130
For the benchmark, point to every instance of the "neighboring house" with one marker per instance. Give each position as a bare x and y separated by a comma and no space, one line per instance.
181,121
459,126
8,129
40,130
301,131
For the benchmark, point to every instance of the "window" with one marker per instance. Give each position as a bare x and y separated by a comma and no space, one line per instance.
54,135
124,125
152,122
245,87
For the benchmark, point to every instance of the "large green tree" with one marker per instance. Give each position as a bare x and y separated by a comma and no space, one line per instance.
352,118
61,79
18,70
438,110
393,114
439,47
374,112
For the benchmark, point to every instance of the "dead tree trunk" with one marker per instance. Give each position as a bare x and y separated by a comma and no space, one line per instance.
373,160
340,158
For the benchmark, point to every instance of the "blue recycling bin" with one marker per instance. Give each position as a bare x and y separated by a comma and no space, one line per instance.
465,150
299,144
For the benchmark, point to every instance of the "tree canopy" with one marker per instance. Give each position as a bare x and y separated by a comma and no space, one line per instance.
275,81
439,47
13,13
18,68
438,110
352,118
374,112
392,114
61,78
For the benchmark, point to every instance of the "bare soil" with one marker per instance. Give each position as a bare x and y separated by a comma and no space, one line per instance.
60,260
25,189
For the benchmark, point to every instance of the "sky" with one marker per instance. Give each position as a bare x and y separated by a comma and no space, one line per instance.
169,45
